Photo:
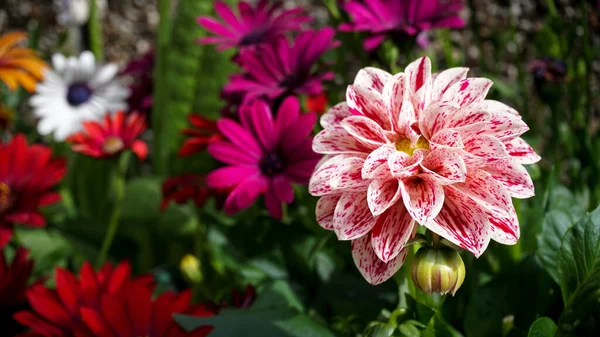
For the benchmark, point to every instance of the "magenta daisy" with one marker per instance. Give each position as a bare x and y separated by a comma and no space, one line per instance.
252,26
265,155
282,68
398,18
419,148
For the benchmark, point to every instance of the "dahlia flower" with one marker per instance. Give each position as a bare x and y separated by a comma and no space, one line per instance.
19,66
281,68
141,73
117,134
253,25
202,133
382,18
76,90
13,284
56,312
264,155
419,148
136,313
186,187
27,176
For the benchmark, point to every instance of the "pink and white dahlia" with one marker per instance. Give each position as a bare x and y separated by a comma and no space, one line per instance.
419,148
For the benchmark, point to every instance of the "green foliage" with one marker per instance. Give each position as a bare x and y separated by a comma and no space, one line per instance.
542,327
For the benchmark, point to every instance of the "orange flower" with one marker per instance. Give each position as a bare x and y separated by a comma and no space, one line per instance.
18,65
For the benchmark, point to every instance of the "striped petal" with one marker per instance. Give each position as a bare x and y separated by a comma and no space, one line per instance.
335,115
369,103
521,151
513,176
391,232
336,140
325,210
372,78
352,217
370,266
445,166
376,162
468,91
365,130
382,194
422,197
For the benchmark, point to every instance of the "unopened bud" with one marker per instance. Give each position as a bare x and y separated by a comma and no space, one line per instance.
190,268
439,271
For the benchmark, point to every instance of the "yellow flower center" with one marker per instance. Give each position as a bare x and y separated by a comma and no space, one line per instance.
6,199
405,145
112,145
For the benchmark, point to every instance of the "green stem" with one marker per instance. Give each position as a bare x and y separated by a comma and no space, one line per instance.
435,240
198,290
95,31
115,216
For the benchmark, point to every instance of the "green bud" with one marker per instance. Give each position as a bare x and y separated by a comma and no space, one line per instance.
190,268
439,271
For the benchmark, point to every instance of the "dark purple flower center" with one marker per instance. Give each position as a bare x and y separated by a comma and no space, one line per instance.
78,94
252,38
6,197
271,164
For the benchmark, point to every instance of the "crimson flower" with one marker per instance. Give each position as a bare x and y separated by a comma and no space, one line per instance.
317,103
116,134
56,312
264,155
141,72
419,148
282,68
382,18
253,25
27,176
13,284
202,133
135,313
183,188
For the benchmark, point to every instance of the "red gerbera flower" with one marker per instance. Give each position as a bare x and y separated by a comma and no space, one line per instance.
115,135
183,188
56,311
317,103
27,175
203,132
13,283
135,314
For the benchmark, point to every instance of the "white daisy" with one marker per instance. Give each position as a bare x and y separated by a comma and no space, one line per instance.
76,90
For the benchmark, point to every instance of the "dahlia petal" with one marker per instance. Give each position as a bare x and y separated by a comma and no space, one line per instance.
369,103
377,161
382,194
336,140
239,136
365,130
504,226
445,79
418,75
483,149
505,126
447,138
335,115
230,153
435,117
462,221
518,149
393,229
372,78
481,187
320,182
393,98
468,91
513,176
402,165
352,217
230,176
374,270
325,210
495,106
445,166
422,197
348,175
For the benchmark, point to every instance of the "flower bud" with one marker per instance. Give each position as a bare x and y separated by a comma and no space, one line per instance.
190,268
438,270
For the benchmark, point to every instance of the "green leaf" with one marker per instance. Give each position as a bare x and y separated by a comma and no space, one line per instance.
578,266
438,327
409,329
542,327
379,330
556,224
303,326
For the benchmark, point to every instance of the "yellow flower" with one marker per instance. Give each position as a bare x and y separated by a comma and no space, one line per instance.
19,65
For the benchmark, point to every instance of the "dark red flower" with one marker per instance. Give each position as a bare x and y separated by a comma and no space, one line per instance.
56,312
183,188
118,133
202,133
27,176
317,103
141,72
13,284
242,301
135,313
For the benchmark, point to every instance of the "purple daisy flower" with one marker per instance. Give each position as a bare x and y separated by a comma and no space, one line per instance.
382,18
253,25
282,68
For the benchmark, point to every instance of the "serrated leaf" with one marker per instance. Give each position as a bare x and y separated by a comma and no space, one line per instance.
555,226
578,266
542,327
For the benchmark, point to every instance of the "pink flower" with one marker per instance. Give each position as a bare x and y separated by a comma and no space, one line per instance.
419,148
265,155
382,18
280,68
253,25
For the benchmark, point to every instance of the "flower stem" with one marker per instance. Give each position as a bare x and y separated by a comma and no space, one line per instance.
95,31
115,216
435,240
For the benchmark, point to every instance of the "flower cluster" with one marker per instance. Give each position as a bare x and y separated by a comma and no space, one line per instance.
419,148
